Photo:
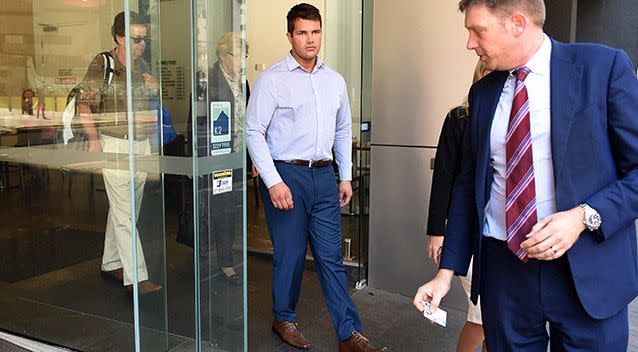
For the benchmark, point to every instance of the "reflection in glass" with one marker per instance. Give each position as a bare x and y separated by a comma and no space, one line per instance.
91,201
102,106
218,132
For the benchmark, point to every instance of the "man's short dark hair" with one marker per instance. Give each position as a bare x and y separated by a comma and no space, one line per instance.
119,27
303,11
535,9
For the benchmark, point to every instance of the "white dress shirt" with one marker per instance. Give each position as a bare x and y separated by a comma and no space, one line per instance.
538,89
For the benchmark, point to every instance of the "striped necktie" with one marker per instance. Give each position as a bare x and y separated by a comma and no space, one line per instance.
520,204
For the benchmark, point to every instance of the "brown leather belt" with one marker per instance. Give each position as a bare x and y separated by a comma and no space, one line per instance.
308,163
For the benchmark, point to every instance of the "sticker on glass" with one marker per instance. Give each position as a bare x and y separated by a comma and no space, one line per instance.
222,181
220,142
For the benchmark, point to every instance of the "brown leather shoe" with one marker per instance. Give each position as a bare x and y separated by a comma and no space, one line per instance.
117,274
289,332
144,287
358,343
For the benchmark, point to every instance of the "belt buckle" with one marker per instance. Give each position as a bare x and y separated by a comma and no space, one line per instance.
310,163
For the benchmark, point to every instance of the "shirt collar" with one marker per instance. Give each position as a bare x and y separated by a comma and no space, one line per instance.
539,63
292,63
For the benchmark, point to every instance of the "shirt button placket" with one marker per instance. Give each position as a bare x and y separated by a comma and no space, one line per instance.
315,90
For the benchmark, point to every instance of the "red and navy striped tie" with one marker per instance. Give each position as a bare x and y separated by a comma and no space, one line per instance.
520,205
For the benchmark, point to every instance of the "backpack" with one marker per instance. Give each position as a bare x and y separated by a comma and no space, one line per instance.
72,131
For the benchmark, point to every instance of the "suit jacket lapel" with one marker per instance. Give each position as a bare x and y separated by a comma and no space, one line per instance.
220,89
565,85
485,116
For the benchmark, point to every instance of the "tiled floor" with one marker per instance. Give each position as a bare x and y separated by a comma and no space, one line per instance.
51,311
74,306
388,319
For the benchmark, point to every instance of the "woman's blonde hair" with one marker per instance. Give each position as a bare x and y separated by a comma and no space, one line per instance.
227,42
480,71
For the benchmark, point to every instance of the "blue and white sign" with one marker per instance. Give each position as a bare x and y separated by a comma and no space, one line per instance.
220,138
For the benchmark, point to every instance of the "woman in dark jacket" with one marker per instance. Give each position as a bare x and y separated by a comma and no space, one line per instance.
446,168
219,214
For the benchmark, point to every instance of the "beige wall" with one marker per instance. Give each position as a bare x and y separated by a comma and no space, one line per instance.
266,31
16,46
421,68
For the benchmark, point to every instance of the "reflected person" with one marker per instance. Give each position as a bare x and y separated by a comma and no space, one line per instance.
219,213
106,103
446,168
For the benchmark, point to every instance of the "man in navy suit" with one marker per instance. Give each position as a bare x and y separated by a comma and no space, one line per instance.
548,192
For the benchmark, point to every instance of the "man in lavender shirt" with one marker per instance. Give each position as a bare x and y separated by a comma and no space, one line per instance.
297,117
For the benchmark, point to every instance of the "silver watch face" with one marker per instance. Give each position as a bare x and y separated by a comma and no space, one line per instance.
592,221
592,218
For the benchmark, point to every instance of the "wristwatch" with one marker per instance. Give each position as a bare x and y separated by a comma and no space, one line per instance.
592,218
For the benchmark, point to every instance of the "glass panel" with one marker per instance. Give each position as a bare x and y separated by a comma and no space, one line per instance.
344,42
98,193
217,146
341,50
145,112
363,147
67,239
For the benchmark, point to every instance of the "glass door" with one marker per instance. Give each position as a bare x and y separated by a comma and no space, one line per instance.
348,39
347,49
216,142
122,174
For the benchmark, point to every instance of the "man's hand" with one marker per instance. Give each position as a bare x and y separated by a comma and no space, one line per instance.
435,245
151,82
553,236
280,196
434,291
345,192
254,172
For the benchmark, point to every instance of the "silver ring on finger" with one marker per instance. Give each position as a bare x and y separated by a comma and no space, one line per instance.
553,249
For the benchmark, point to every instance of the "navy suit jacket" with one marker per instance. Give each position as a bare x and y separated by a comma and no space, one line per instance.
594,137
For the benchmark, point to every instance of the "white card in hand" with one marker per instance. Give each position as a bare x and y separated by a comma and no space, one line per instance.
439,316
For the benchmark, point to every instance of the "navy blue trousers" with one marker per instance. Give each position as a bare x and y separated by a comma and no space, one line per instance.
518,300
315,220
